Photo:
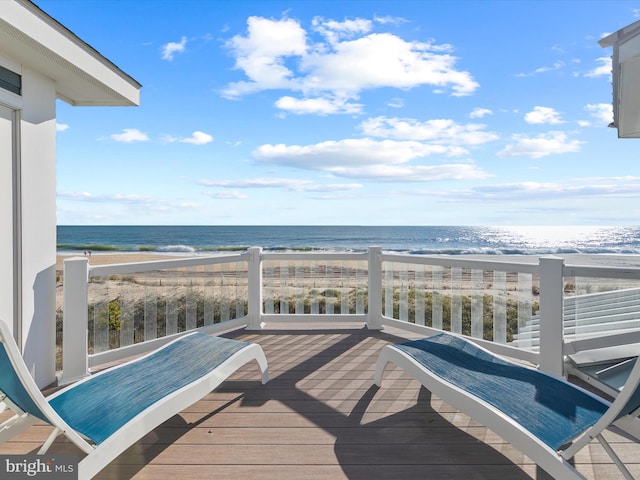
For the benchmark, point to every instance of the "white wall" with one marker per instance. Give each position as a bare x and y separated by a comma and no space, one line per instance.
38,172
38,220
6,216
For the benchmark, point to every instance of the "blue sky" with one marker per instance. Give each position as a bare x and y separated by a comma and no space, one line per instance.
349,112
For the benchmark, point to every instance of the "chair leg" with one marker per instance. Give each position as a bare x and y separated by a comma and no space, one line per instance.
615,458
15,425
47,444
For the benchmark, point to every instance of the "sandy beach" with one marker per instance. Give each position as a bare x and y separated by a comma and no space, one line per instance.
109,258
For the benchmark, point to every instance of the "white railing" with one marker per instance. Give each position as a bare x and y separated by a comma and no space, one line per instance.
114,311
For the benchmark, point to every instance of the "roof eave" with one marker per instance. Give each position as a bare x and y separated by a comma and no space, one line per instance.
82,75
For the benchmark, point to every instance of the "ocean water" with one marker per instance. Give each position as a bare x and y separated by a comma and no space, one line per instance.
450,240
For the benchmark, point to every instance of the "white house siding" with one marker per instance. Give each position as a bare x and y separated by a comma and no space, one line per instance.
28,213
6,215
38,178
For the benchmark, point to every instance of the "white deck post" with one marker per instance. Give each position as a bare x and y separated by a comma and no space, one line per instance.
551,315
374,317
255,288
75,363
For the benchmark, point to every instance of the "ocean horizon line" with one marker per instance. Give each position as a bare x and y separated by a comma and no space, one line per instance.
419,240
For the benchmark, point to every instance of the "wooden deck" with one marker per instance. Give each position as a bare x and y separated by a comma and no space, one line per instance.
320,418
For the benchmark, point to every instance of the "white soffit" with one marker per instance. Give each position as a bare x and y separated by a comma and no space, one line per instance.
626,79
82,75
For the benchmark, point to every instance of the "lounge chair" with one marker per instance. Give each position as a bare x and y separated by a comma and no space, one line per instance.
107,412
545,417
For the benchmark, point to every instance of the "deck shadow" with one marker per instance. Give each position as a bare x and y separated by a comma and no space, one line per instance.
416,442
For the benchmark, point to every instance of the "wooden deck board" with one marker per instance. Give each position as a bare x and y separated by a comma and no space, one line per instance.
320,418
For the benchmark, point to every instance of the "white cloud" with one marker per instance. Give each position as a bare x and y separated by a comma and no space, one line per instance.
390,20
411,173
286,183
334,31
227,195
61,127
198,138
383,60
291,184
107,197
318,106
280,54
261,54
543,115
436,131
396,103
556,66
349,152
367,159
171,48
130,135
604,69
541,146
480,112
603,112
141,204
166,138
613,187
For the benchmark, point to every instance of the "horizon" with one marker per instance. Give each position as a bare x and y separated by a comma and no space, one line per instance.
253,110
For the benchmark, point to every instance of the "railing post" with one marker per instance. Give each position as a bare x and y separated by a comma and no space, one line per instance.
255,288
551,315
374,317
75,351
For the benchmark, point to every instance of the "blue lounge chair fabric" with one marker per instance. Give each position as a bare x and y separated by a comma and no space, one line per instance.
559,412
99,408
12,387
107,412
546,417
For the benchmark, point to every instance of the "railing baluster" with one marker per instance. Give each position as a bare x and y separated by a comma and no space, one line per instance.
360,281
420,288
225,306
269,288
437,304
150,308
191,301
208,296
299,287
456,300
171,302
241,280
127,327
477,303
388,291
404,293
524,289
284,287
344,289
101,321
254,288
330,288
314,278
499,307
